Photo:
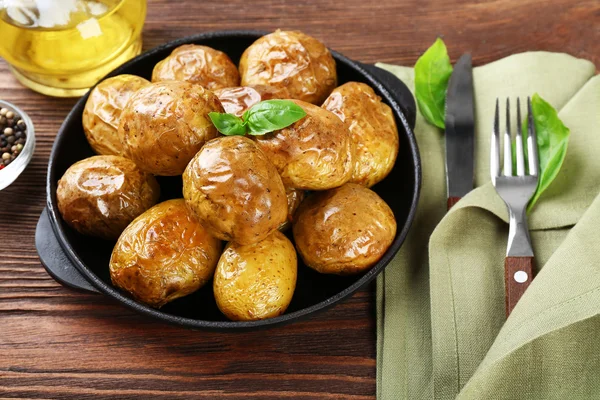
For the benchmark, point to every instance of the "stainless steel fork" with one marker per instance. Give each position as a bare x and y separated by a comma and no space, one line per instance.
516,191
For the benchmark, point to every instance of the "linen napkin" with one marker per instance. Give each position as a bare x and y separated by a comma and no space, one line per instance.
441,326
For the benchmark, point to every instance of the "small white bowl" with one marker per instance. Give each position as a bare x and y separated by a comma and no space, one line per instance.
10,173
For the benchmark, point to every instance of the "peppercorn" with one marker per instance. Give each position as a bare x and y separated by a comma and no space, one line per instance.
13,135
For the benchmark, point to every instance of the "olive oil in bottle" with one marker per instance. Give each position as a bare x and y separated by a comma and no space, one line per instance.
63,47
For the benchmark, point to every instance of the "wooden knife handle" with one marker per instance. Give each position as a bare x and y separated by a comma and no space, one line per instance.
518,274
452,201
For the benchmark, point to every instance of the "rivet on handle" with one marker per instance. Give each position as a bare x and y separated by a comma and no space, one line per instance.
521,276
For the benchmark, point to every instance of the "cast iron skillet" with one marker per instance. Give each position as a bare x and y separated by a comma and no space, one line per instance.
82,262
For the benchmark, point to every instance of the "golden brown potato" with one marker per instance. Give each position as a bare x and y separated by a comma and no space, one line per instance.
102,112
315,153
373,129
165,124
235,191
344,230
297,65
164,254
236,100
201,65
101,195
256,281
294,198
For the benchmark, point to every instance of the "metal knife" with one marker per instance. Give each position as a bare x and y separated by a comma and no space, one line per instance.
460,131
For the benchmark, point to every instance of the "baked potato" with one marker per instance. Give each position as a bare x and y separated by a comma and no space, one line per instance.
164,254
102,112
297,65
201,65
344,230
373,129
101,195
235,191
236,100
294,198
256,281
314,153
165,124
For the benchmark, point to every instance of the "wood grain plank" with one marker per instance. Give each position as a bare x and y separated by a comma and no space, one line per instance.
59,344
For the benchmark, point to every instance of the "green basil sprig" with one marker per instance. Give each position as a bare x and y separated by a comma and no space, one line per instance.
264,117
432,73
552,141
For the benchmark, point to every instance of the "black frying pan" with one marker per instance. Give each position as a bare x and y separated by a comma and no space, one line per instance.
82,262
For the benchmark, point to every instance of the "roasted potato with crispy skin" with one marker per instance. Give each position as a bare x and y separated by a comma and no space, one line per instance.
256,281
294,198
314,153
373,129
165,124
101,195
235,191
201,65
103,109
236,100
164,254
344,230
297,65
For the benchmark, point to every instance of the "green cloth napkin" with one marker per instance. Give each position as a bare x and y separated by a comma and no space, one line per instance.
441,326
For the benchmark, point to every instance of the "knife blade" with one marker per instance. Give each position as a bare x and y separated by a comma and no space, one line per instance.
460,131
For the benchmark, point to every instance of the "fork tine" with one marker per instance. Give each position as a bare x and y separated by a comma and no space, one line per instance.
532,148
519,143
495,147
507,143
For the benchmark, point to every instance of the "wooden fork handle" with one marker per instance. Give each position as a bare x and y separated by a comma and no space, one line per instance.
518,274
452,201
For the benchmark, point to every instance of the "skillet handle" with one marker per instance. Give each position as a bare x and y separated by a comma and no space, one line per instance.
54,259
397,89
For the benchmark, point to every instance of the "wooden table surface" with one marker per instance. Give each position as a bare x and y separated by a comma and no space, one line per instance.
60,344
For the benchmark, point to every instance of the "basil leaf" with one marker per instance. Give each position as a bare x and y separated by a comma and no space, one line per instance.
271,115
432,72
552,141
228,124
